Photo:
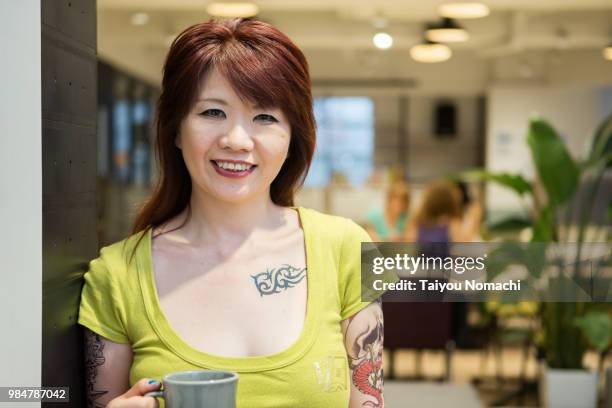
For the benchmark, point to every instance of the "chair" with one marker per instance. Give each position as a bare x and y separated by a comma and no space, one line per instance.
419,325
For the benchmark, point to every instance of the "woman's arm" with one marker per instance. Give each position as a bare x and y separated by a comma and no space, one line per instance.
108,376
473,220
467,229
107,366
411,232
363,339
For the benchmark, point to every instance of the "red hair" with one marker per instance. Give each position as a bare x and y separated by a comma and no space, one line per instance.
264,67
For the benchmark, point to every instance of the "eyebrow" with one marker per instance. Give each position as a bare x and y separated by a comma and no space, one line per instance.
224,102
217,100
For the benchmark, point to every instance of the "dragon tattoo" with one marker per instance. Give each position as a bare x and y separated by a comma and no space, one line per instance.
365,355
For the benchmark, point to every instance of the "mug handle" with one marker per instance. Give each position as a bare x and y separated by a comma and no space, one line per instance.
155,394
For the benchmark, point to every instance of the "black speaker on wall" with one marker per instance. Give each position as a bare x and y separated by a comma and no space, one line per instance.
445,120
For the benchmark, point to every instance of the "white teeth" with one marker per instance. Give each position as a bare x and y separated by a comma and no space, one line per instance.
233,166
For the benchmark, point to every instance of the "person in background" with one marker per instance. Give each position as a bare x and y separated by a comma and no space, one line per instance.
446,215
389,223
442,216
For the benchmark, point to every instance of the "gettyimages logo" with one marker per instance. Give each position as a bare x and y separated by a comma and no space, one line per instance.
411,264
493,271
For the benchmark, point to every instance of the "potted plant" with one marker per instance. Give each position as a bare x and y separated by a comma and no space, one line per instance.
567,328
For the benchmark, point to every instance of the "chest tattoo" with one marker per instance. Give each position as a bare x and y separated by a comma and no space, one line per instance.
278,279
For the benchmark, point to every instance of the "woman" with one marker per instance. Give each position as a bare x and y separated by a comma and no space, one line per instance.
389,224
222,271
441,217
445,216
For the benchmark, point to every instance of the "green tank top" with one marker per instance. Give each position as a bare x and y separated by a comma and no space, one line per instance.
120,303
377,219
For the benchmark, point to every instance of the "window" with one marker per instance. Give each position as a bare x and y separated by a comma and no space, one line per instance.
345,140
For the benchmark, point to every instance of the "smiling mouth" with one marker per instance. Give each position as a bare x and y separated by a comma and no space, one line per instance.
233,167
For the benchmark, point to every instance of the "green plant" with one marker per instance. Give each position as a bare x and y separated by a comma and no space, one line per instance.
596,327
567,328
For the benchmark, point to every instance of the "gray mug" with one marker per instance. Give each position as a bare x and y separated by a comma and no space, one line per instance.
198,389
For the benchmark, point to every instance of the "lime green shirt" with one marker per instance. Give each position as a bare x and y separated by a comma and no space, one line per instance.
119,302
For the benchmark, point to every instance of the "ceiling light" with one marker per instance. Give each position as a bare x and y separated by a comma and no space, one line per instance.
382,40
230,10
139,19
446,31
463,10
430,52
607,52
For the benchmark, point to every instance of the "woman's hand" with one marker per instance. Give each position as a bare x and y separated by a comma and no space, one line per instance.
134,397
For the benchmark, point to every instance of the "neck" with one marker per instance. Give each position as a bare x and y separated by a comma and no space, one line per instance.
221,223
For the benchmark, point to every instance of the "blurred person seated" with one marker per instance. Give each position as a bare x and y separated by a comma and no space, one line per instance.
446,214
389,223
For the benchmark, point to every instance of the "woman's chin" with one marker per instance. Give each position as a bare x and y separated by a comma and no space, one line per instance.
236,197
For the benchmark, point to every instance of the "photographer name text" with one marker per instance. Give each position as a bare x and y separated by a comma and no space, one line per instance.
443,286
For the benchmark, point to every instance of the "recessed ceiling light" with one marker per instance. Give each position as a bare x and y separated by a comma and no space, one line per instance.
430,52
239,9
607,52
463,10
382,40
446,31
139,18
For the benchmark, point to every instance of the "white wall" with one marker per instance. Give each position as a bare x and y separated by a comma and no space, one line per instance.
574,111
20,195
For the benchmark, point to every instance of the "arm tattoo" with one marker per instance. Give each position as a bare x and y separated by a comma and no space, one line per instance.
274,280
94,357
365,354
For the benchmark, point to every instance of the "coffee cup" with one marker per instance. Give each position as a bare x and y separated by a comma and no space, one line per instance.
198,389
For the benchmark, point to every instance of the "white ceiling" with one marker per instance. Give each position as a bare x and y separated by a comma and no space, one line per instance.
321,27
403,10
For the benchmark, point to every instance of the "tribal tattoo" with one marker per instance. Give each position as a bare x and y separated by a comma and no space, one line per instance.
275,280
94,357
365,352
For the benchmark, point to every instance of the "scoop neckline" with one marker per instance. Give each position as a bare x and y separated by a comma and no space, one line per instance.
174,342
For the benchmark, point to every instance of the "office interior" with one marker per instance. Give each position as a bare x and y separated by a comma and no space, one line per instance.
392,108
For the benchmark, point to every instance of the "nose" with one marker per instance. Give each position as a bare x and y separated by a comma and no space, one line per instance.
237,138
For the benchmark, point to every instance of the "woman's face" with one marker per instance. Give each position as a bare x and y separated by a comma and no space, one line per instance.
232,149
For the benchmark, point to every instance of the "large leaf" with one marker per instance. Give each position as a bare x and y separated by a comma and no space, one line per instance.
513,181
597,328
601,144
506,253
511,223
557,171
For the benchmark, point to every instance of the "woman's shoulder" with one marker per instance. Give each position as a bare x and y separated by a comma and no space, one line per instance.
120,255
331,226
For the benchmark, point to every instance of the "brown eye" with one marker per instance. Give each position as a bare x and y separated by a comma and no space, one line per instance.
213,113
266,118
